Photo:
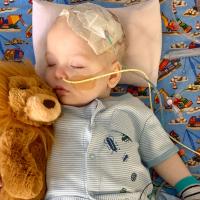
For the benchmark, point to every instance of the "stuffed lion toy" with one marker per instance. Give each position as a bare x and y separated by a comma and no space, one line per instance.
28,107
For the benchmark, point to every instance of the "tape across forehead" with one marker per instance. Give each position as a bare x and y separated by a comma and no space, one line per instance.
95,25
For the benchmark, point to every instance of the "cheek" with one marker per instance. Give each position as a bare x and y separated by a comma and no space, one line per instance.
83,86
48,77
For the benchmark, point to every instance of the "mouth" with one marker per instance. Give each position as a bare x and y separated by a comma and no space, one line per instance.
60,90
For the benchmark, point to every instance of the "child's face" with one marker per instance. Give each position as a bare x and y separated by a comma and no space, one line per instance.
70,57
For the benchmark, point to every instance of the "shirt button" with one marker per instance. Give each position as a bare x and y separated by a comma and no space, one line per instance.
92,156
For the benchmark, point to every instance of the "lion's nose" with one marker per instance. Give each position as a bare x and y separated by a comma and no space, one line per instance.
49,103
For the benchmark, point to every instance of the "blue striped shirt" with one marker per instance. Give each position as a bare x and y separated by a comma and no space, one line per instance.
103,151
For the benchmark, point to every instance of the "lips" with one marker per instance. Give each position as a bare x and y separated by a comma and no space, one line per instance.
60,90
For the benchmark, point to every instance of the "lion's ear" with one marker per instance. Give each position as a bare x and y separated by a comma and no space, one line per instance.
27,62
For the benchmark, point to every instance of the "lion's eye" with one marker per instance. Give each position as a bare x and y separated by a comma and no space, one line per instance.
23,87
41,86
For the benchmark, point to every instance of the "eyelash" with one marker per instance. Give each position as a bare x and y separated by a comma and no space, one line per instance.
51,65
77,67
72,66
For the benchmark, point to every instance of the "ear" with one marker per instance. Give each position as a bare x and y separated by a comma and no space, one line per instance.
115,78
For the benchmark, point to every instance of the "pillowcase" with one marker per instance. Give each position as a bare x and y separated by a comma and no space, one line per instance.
142,26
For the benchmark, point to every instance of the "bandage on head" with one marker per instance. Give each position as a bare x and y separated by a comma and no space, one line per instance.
94,24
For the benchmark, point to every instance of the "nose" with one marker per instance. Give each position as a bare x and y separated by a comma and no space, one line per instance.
49,103
60,73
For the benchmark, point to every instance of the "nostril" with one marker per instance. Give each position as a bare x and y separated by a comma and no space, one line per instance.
49,103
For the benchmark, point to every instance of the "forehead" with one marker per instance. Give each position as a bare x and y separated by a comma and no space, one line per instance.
63,43
62,35
61,31
60,22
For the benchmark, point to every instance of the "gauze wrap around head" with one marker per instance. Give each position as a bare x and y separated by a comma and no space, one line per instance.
94,24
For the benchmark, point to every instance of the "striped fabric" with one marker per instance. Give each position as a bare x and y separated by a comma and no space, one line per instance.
103,151
191,193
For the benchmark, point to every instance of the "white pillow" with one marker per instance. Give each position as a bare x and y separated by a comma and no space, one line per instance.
142,26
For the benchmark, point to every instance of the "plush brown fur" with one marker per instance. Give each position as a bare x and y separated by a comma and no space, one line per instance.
24,143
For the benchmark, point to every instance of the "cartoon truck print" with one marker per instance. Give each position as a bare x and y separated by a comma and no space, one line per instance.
187,28
174,135
178,100
170,25
166,66
193,45
165,62
11,22
11,54
14,54
174,25
194,121
6,2
182,102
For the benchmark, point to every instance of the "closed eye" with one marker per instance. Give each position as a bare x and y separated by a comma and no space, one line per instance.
23,87
50,65
77,67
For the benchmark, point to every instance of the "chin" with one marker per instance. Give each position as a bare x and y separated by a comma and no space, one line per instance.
67,101
73,102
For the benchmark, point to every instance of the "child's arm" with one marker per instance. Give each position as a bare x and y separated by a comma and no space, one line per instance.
172,170
176,174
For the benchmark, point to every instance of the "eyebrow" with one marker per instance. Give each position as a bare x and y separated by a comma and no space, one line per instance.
81,56
75,55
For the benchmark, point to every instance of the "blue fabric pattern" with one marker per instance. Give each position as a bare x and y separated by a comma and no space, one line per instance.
179,75
16,31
